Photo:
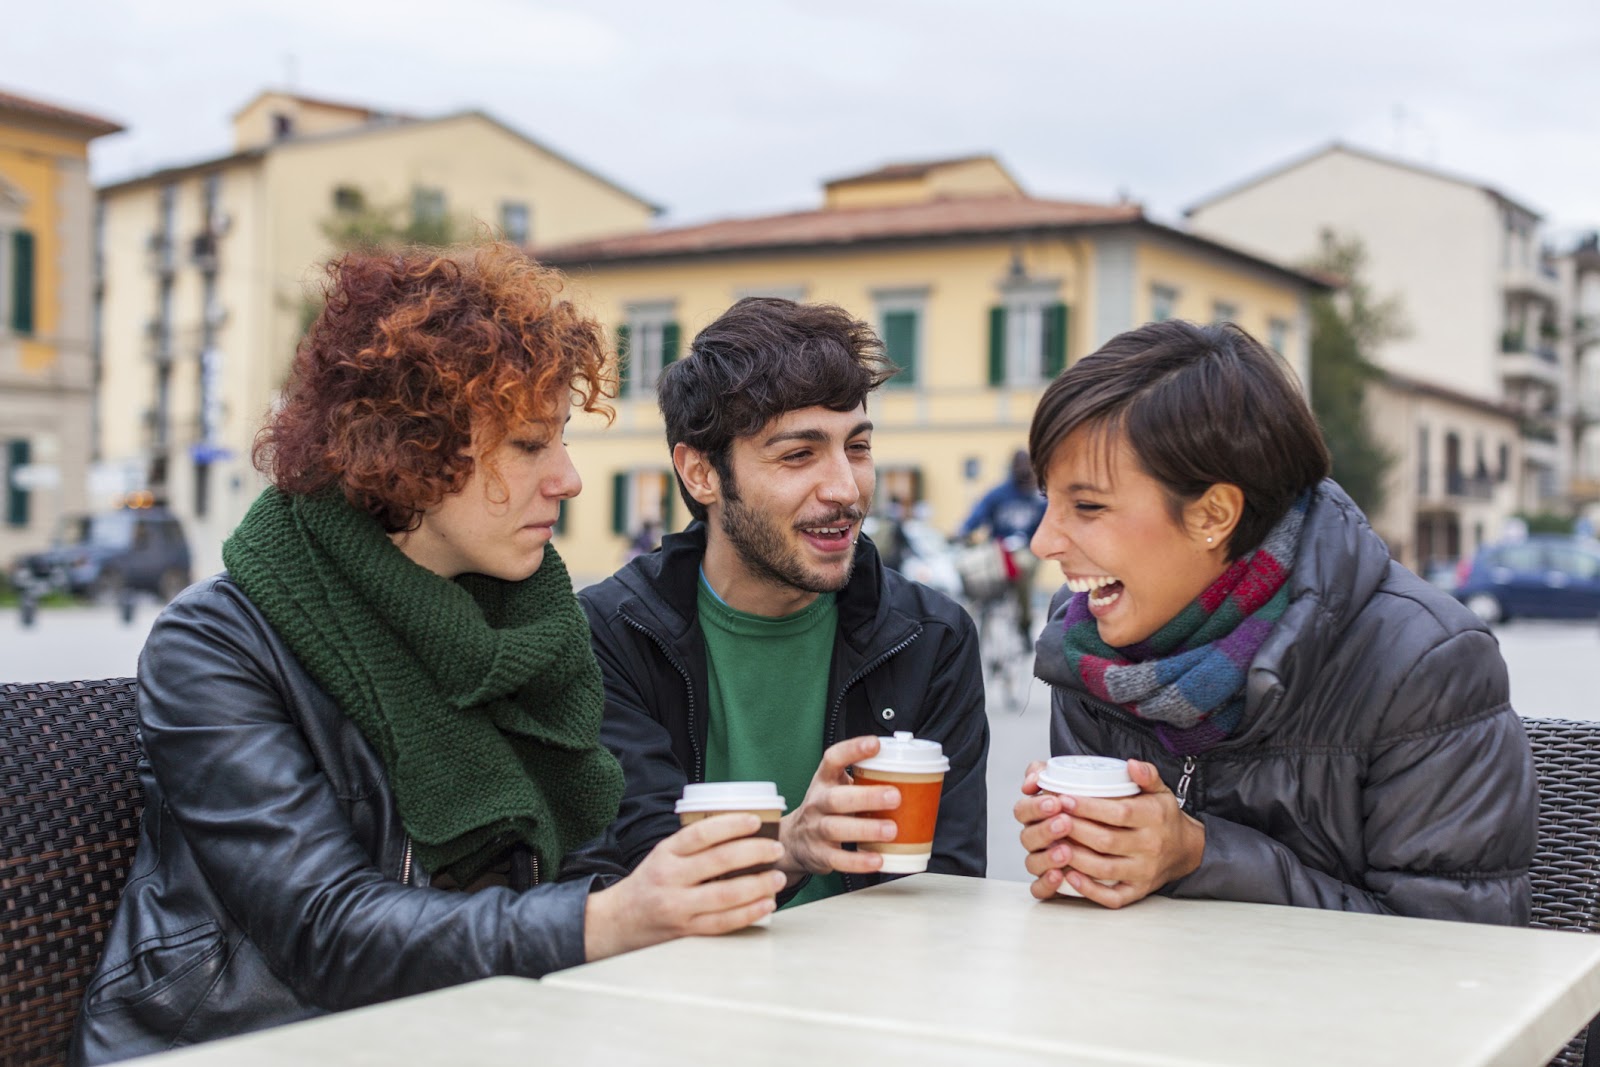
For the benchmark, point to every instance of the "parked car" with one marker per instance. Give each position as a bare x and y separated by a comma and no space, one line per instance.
1543,577
105,554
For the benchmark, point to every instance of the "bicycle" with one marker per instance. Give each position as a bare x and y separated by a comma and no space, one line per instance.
994,578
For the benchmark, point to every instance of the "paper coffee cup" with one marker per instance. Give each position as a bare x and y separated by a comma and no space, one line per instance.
916,768
1086,776
706,800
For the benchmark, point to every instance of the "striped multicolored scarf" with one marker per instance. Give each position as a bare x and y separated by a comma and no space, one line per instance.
1188,677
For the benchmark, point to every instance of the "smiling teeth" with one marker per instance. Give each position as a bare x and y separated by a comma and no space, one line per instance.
1089,585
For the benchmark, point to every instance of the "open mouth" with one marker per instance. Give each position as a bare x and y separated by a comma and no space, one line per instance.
1103,590
832,536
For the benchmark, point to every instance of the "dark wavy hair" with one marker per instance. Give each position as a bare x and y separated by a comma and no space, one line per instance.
1197,405
763,357
416,356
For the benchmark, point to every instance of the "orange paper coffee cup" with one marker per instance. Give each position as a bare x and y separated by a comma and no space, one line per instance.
916,768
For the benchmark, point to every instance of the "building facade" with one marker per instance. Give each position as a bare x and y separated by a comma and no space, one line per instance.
1485,343
1578,271
46,328
981,292
210,270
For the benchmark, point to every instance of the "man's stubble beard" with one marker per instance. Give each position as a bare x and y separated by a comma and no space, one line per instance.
760,544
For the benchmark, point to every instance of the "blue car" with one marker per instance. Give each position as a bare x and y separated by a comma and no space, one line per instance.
1543,577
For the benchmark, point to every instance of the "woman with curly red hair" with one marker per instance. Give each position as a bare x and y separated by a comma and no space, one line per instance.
372,744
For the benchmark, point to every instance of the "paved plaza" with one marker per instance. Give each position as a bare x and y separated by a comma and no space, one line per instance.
1555,671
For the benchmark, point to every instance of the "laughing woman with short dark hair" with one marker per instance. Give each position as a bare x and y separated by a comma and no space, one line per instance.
1308,722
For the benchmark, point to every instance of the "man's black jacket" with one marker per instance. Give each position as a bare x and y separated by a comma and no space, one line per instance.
905,658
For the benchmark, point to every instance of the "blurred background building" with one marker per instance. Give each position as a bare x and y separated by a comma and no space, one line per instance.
1481,403
208,271
981,292
47,375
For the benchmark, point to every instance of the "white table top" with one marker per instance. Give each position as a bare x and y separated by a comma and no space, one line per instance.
517,1022
1167,982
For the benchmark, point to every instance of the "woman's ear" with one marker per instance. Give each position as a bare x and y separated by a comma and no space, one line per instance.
697,473
1213,517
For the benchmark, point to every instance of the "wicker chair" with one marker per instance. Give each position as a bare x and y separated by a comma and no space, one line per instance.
68,826
1566,867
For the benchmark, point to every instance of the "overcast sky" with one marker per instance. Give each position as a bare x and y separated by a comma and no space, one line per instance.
745,107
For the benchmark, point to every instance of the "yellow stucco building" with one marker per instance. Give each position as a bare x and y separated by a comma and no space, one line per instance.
208,269
981,292
46,363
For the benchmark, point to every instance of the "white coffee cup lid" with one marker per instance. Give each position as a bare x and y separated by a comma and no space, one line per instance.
907,754
730,796
1087,776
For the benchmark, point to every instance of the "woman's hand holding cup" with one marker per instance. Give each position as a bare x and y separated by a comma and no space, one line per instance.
1113,850
681,888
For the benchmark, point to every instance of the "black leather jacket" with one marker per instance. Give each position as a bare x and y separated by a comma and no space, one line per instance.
273,879
1379,766
900,646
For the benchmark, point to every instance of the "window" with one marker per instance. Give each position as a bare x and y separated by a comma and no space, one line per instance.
427,207
900,323
1505,463
1422,460
646,343
1278,336
17,455
514,221
348,200
1027,336
282,125
642,496
1222,311
21,273
1163,302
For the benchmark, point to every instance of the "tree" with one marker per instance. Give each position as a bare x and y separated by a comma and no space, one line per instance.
1347,328
359,223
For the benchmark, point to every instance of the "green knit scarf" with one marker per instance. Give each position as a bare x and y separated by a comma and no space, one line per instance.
482,697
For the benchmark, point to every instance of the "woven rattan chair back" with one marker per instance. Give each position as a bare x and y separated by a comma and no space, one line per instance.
69,821
1566,865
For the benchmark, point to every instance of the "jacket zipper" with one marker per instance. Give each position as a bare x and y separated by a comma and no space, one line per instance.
688,687
405,863
851,882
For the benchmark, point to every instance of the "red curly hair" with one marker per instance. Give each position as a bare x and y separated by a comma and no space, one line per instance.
418,355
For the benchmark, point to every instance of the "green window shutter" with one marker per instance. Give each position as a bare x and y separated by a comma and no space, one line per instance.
17,454
1055,340
997,346
619,503
669,501
900,343
21,282
669,343
622,359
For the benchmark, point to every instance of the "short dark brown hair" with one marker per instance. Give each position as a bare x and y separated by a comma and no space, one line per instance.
1197,405
414,353
761,358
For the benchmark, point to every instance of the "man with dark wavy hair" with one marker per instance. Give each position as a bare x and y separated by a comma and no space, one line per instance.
767,641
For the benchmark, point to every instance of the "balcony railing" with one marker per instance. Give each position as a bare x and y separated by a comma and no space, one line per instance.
1470,487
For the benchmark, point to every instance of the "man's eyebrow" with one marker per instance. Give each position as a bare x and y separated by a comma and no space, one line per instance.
812,436
1084,487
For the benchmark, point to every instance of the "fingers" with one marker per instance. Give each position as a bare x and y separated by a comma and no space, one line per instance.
729,856
707,833
1038,836
1030,777
840,828
718,907
840,756
850,799
1111,896
1037,808
1044,887
1146,777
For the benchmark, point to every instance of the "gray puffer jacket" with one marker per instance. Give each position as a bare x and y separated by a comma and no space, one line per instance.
1379,766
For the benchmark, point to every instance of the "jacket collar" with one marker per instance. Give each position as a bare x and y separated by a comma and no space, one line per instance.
665,583
1338,567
